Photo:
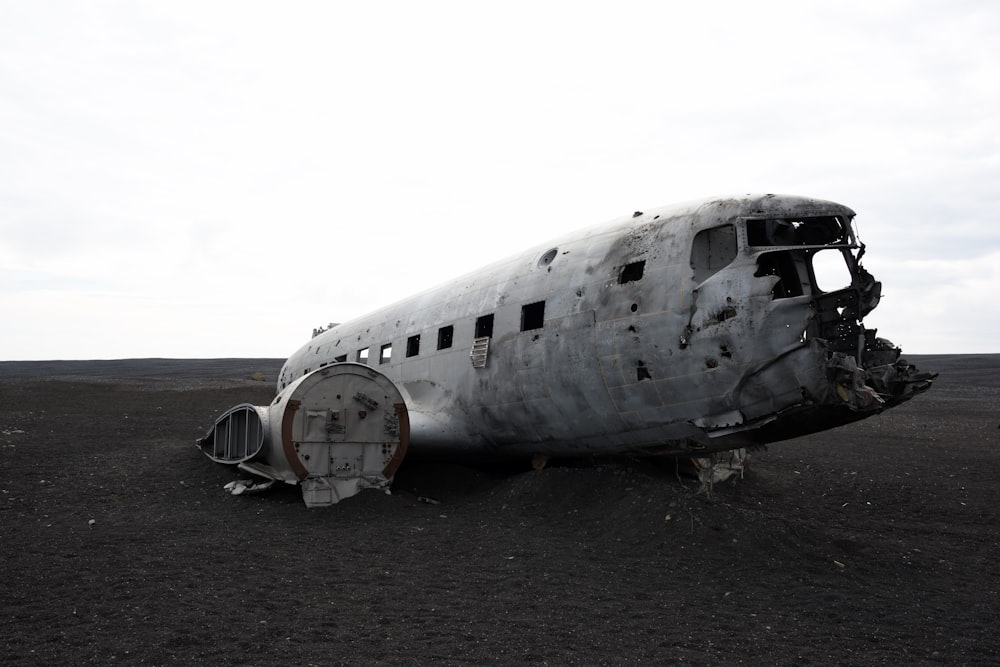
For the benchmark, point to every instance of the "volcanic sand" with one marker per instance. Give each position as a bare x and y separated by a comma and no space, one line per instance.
870,544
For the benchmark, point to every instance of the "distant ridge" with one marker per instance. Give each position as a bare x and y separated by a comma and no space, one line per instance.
969,370
143,368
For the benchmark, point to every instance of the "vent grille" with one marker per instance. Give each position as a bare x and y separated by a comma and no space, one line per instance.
236,437
480,350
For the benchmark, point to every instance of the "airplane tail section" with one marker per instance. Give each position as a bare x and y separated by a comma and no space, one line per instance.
334,431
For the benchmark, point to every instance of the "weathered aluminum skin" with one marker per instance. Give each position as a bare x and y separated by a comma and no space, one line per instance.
707,350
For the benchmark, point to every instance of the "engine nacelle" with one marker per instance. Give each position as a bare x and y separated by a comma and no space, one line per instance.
334,431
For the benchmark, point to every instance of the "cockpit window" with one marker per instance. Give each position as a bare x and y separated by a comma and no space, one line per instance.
712,250
830,270
826,230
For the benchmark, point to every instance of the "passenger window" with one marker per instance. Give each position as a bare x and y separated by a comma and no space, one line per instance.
484,326
413,346
712,250
445,335
385,354
631,272
532,316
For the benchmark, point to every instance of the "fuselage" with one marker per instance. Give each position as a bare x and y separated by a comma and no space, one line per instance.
698,327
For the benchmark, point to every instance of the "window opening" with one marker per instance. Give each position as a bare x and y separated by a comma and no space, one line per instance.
786,266
631,272
824,230
532,316
385,354
363,356
413,346
830,270
342,358
712,250
445,336
484,326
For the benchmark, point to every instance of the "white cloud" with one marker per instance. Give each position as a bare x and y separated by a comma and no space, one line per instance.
945,306
170,163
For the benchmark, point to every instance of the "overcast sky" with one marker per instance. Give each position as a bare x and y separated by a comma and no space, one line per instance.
215,179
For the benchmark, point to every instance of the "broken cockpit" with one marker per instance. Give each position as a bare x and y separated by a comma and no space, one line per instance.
819,258
804,359
815,256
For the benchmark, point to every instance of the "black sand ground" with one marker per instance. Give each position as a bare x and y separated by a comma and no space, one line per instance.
870,544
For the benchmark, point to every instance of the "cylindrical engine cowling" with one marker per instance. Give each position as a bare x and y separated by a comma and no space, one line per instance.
335,431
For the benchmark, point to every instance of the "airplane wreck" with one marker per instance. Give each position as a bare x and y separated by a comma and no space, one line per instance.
697,330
